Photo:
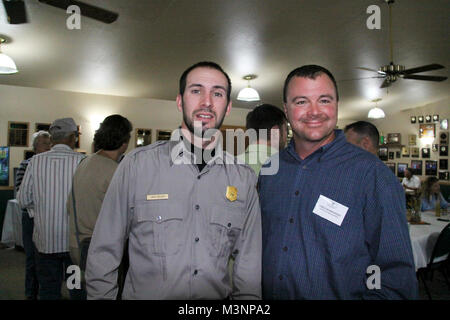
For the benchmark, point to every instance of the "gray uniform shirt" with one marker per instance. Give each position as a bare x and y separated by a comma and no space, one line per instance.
182,229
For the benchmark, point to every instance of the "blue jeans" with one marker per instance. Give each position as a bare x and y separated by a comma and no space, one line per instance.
31,281
51,271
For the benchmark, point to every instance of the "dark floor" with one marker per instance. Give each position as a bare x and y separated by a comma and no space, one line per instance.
12,275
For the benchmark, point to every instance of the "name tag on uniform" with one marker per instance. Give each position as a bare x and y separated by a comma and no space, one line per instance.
330,210
164,196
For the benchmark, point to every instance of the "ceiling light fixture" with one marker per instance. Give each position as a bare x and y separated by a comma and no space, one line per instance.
7,65
376,113
248,94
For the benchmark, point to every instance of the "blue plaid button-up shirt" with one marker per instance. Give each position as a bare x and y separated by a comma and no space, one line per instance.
308,257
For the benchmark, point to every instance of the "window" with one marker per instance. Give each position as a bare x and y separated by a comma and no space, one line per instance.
18,134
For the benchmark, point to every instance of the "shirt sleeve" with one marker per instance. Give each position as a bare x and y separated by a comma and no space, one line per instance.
388,239
25,192
110,233
247,266
19,175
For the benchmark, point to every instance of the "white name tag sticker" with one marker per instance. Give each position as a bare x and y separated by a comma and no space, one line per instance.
330,210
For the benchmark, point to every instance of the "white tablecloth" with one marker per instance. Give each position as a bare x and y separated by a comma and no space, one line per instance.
423,237
12,225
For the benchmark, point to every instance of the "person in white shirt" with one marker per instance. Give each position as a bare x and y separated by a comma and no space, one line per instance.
410,182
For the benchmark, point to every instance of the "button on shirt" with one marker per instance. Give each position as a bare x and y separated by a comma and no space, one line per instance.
181,229
308,257
44,190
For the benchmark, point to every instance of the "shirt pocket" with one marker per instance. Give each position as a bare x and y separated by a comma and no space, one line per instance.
225,226
160,227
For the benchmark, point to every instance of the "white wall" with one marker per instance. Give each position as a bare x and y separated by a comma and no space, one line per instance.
35,105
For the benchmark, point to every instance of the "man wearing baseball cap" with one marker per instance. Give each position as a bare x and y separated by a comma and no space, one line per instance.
44,192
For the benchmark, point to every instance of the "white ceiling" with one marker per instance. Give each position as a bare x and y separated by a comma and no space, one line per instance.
145,51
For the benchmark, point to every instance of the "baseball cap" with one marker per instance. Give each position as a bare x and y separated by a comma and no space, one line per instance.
63,125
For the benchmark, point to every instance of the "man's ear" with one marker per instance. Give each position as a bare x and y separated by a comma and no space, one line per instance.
366,143
179,101
228,108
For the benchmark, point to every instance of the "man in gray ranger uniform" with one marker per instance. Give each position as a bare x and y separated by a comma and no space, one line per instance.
185,207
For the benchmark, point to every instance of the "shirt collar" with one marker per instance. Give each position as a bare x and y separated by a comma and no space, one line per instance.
61,146
339,139
180,153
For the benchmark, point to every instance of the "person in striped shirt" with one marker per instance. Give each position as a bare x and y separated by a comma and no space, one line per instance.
41,143
44,190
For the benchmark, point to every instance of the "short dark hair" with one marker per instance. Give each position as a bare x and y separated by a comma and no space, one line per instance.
309,71
265,116
204,64
364,128
113,132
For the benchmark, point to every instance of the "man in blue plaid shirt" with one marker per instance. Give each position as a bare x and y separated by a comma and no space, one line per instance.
333,216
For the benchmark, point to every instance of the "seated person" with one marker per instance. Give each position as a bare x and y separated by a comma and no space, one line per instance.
431,194
410,182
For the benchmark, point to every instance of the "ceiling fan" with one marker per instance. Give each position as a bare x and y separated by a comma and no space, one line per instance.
392,72
16,11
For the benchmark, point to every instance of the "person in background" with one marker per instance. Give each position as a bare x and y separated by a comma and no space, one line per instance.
411,182
41,143
184,206
333,216
90,183
363,134
431,194
45,187
273,120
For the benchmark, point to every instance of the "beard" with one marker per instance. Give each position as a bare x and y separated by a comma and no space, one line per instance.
190,125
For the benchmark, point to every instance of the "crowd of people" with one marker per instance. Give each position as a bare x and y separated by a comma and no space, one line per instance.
182,219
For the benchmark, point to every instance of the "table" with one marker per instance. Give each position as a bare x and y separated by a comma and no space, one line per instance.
423,237
12,225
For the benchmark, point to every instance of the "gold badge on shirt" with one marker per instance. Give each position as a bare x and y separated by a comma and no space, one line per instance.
231,193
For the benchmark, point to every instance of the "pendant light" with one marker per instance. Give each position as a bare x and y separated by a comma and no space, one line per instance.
248,93
7,65
376,113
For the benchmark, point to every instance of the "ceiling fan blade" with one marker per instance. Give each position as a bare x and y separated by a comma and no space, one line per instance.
428,67
87,10
385,84
367,69
353,79
15,11
427,78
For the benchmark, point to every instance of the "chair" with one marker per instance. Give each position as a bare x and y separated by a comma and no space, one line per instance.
438,261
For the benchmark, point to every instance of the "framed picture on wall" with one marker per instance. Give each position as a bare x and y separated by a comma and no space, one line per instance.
405,152
401,167
427,130
398,154
163,134
415,152
416,167
394,138
430,167
391,155
383,153
443,151
444,175
443,164
143,137
412,139
425,153
413,119
43,126
420,119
